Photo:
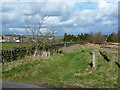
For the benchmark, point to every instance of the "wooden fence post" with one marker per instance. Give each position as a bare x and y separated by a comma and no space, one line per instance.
65,44
94,59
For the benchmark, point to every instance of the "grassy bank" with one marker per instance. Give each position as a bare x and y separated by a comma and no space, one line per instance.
72,68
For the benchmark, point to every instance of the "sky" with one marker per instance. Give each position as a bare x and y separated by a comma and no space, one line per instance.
72,17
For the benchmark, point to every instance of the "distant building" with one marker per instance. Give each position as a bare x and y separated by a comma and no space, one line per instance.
12,38
20,38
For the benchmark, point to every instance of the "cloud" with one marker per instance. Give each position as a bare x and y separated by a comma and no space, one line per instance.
59,0
71,17
19,29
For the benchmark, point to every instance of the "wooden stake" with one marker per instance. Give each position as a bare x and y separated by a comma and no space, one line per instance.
65,44
94,59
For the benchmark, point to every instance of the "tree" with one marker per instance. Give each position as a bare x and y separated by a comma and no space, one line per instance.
40,37
99,38
89,37
112,38
65,35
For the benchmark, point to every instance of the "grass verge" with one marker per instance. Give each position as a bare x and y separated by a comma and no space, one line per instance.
72,69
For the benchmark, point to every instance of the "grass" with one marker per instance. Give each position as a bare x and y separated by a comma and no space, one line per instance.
7,46
68,69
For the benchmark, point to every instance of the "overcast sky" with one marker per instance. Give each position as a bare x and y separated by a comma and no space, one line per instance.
64,17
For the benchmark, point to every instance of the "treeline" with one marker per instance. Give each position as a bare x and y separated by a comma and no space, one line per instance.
92,38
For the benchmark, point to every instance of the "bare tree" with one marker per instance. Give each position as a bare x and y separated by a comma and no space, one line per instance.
40,36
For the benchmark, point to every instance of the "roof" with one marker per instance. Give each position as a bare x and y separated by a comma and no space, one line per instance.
14,35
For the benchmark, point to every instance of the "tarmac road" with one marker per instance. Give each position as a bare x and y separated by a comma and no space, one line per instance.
7,84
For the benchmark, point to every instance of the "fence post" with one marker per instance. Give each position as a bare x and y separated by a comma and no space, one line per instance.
65,44
94,59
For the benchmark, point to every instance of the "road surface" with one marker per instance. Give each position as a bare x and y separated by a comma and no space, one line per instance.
7,84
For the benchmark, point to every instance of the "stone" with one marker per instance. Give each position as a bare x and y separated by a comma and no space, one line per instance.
45,54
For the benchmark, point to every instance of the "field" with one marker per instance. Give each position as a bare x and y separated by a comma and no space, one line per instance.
7,46
72,68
